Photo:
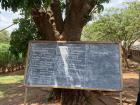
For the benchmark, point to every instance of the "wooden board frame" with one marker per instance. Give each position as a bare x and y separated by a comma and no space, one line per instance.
75,42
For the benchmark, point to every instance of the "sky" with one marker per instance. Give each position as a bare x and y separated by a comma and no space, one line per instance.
6,17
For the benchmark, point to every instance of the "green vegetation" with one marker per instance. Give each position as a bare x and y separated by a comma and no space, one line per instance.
7,81
8,62
138,68
119,25
4,47
4,37
11,79
19,38
49,19
5,55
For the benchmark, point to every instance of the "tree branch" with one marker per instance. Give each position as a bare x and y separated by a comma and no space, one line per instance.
79,9
57,13
77,15
44,24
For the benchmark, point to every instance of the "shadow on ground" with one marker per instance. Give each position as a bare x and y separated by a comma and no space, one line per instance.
13,93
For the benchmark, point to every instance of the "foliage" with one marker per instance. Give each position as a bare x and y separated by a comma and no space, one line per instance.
7,59
36,8
23,4
19,38
8,80
11,79
4,37
4,54
53,25
122,25
27,5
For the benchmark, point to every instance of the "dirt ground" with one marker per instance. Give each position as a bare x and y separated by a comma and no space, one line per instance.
130,91
36,96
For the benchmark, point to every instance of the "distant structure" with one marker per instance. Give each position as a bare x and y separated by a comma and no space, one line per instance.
136,45
135,51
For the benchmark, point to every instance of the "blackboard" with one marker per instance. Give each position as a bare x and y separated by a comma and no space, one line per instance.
74,65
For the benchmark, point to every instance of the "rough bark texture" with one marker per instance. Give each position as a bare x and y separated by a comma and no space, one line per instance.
57,13
44,23
52,27
124,55
82,97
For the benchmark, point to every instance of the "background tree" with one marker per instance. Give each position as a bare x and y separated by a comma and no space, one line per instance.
4,37
9,62
47,15
122,25
4,56
20,37
59,20
4,45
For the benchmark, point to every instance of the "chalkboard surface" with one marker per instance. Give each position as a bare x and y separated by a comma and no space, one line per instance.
81,65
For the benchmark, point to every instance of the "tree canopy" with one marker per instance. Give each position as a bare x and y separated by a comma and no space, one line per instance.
57,19
20,37
28,5
46,19
120,25
123,25
4,37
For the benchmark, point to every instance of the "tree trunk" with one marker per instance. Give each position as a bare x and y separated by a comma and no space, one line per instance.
76,97
52,27
125,57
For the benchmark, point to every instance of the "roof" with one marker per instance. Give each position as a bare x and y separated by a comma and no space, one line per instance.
136,45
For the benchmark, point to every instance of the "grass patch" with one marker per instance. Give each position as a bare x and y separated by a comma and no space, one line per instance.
138,68
1,94
11,79
7,81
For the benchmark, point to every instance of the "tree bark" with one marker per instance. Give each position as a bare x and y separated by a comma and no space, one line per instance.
57,13
76,97
125,57
52,27
44,24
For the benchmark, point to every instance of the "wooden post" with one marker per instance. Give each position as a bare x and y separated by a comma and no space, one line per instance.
25,97
121,103
139,81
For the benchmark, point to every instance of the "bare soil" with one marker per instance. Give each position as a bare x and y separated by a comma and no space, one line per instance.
38,96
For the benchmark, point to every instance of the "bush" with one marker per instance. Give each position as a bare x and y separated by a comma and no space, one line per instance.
8,62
